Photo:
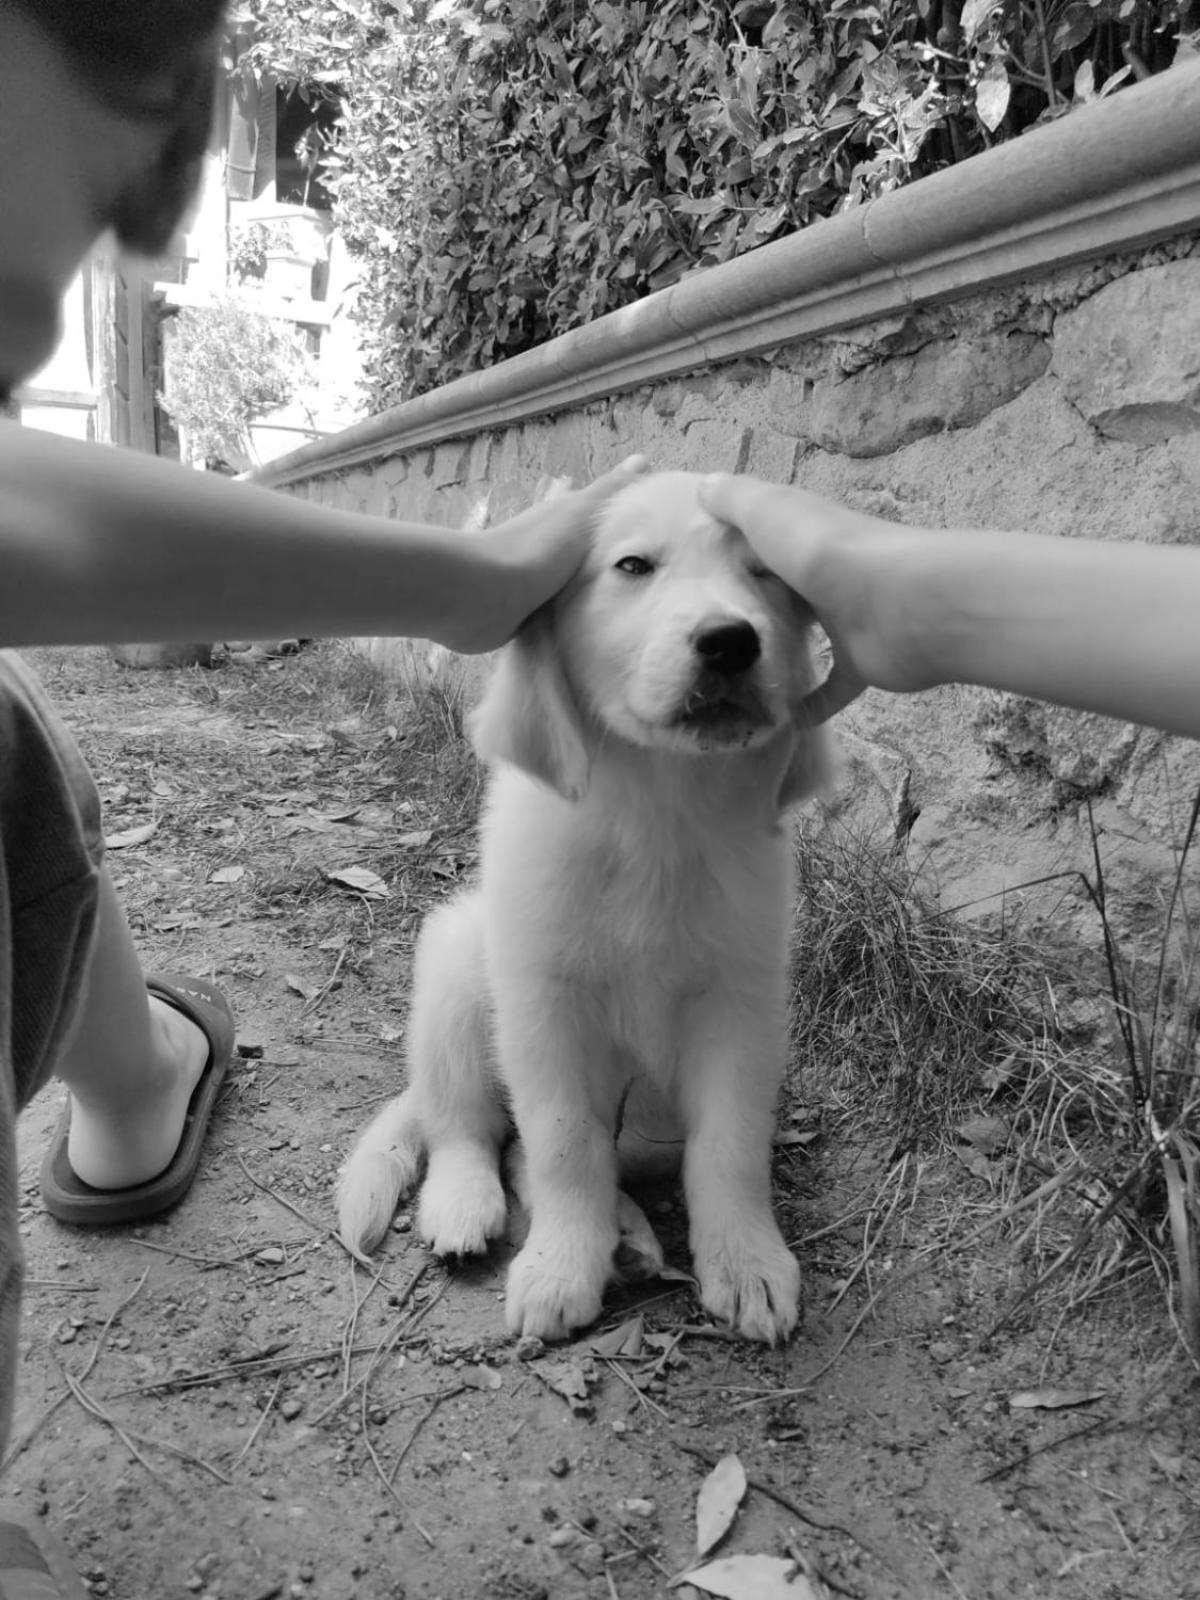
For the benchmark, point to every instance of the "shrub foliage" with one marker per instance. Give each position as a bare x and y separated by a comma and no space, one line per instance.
510,169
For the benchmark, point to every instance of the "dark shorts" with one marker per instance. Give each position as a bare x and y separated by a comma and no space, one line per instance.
51,846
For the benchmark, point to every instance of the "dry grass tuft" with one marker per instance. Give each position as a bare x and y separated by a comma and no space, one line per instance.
1072,1100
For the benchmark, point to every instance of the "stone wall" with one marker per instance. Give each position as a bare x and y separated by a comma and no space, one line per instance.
1068,405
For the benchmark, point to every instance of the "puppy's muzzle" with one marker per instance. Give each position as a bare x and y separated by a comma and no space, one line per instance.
728,647
724,700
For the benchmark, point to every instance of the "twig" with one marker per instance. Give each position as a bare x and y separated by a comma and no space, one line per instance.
324,991
813,1570
257,1429
96,1410
254,1366
446,1394
19,1449
645,1399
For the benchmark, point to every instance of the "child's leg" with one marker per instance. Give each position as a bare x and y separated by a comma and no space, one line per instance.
131,1063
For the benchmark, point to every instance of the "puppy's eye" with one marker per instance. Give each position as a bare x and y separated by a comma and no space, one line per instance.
635,566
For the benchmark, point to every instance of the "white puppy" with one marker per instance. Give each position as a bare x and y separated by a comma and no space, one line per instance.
616,984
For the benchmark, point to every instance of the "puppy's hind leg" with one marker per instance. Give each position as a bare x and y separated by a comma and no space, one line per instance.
463,1113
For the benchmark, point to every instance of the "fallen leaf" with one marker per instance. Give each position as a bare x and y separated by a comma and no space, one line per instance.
227,875
721,1493
795,1136
988,1134
130,836
362,880
1053,1399
419,837
751,1578
626,1340
572,1380
976,1163
306,991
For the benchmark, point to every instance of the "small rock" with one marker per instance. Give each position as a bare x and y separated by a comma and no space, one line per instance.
529,1348
249,1049
561,1538
559,1467
589,1558
291,1409
272,1256
635,1508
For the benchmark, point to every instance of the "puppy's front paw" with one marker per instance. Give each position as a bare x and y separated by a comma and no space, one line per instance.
751,1280
557,1282
463,1205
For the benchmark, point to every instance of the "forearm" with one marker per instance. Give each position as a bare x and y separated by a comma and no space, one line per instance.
102,546
1109,627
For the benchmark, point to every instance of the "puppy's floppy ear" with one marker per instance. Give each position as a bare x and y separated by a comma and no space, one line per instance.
811,765
529,715
813,761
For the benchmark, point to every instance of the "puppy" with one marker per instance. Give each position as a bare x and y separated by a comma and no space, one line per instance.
615,987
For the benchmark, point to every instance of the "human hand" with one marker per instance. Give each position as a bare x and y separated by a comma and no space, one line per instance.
848,566
529,557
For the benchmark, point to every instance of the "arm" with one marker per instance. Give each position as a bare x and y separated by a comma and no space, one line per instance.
1105,627
103,546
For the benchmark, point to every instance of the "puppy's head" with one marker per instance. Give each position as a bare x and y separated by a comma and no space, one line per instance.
672,636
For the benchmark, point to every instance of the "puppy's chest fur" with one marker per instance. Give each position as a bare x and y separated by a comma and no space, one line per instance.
641,903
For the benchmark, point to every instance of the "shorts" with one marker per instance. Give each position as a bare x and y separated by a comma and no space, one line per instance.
51,848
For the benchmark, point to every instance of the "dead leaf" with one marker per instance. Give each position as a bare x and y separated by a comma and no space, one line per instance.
751,1578
362,880
976,1163
419,837
795,1136
1053,1399
227,875
573,1380
306,991
627,1340
130,836
721,1493
988,1134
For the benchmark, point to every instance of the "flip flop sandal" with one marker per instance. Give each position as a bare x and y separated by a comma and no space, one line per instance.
71,1200
33,1564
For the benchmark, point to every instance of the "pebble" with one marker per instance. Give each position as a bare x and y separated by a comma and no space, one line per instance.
559,1467
272,1256
291,1409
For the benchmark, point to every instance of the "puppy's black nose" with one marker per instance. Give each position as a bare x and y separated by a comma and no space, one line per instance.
729,647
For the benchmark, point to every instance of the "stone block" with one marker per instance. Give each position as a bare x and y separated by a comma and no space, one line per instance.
947,384
1129,357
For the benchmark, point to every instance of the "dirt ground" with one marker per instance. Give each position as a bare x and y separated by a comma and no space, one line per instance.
222,1404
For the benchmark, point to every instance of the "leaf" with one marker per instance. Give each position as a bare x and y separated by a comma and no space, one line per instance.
988,1134
416,839
227,875
627,1340
306,991
130,836
1053,1399
974,14
721,1493
362,880
751,1578
992,95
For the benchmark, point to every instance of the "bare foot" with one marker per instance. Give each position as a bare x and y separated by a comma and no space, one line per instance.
116,1147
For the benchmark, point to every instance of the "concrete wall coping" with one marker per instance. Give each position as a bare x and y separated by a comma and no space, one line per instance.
1112,176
